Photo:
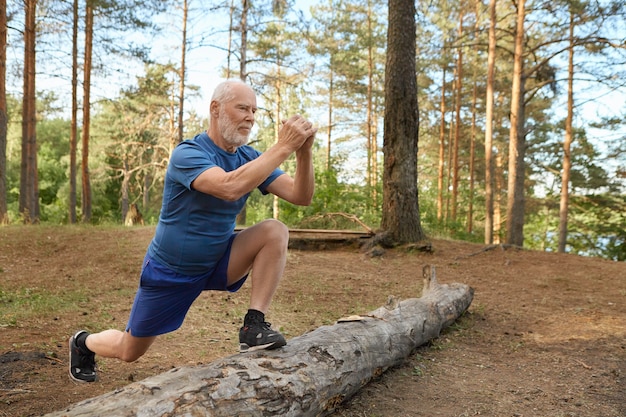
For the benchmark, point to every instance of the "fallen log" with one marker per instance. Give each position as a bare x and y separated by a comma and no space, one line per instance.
310,376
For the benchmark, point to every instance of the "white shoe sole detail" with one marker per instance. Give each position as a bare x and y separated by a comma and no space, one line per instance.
72,377
243,347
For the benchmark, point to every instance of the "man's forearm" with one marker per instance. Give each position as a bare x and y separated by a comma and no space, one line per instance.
233,185
304,179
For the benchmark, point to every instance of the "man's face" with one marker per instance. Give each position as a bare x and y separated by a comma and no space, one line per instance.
232,131
236,117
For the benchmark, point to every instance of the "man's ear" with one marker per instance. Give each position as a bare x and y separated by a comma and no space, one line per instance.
214,109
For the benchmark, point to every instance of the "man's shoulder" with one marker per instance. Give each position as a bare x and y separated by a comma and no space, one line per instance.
201,139
199,143
248,152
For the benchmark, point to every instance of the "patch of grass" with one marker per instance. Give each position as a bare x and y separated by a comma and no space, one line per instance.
30,303
461,326
440,344
465,322
478,309
417,371
516,346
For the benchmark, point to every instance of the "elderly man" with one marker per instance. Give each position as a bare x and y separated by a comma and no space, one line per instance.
195,247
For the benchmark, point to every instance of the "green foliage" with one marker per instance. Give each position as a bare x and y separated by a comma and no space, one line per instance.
596,225
52,158
53,168
445,228
134,135
335,205
333,197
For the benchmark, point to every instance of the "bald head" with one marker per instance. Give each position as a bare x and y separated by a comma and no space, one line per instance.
228,90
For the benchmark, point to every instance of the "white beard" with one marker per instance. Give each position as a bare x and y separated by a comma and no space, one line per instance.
229,132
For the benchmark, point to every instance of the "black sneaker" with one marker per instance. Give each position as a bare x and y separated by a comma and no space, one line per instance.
258,336
82,365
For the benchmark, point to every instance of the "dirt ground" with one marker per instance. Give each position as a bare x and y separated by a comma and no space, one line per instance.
544,336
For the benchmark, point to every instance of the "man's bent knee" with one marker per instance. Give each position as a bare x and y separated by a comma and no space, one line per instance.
275,230
134,348
132,355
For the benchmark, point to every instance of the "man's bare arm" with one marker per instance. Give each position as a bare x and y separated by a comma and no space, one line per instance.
298,190
233,185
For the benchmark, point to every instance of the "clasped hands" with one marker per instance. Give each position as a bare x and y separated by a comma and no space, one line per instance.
297,133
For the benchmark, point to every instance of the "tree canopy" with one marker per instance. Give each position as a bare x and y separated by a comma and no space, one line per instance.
329,62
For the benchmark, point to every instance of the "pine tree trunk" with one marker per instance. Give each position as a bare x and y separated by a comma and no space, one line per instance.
457,125
371,140
517,145
442,146
231,29
86,196
472,159
4,216
498,190
277,124
447,186
400,218
74,123
310,376
375,194
243,74
330,116
567,143
489,171
29,193
183,71
125,203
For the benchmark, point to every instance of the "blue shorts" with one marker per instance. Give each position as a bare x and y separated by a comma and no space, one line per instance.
164,296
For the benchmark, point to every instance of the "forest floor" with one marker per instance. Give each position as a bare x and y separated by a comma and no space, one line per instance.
545,334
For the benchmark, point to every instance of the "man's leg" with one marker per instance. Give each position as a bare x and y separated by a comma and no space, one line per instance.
263,248
110,344
119,345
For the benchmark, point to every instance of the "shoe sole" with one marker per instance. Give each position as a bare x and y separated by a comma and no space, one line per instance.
244,348
72,377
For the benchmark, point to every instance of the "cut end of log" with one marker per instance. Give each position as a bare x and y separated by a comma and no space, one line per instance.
430,279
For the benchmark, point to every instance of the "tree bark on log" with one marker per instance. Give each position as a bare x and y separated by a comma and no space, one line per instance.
310,376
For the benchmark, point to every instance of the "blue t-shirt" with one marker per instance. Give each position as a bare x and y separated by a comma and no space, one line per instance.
194,228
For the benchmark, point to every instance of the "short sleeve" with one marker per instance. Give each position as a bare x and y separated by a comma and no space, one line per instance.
187,162
263,186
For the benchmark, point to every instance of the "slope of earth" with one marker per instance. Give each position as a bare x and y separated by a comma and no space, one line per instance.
544,336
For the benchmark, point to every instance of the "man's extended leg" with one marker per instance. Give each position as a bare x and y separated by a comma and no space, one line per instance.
120,345
262,248
109,343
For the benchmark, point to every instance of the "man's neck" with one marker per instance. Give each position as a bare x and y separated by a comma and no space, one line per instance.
219,141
